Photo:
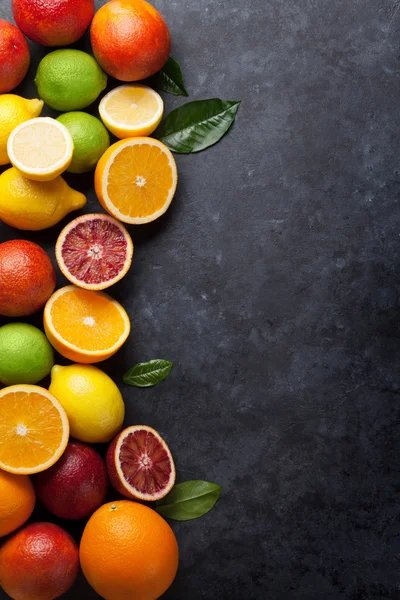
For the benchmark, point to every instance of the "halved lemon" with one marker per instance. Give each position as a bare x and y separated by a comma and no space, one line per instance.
40,148
85,326
34,429
131,110
136,179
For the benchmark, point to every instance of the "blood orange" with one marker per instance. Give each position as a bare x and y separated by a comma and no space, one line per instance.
94,251
140,464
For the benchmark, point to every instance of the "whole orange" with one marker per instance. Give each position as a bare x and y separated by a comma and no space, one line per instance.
53,22
27,278
39,562
17,501
128,552
15,56
130,39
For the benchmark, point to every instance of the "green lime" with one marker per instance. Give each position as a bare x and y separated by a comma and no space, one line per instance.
69,79
25,354
90,138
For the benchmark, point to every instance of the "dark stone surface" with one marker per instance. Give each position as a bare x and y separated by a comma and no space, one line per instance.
273,285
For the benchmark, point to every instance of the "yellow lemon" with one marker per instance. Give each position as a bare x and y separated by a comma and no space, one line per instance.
14,110
92,401
40,148
131,110
35,205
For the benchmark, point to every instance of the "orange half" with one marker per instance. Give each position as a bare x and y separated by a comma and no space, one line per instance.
136,179
34,429
85,326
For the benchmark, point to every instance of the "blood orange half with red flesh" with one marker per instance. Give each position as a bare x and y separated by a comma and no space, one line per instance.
94,251
140,464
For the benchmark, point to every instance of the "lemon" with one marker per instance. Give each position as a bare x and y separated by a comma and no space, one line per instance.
14,110
131,110
92,401
90,139
40,148
35,205
69,79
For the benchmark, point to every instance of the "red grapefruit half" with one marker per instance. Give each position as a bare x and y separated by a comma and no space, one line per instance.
94,251
140,464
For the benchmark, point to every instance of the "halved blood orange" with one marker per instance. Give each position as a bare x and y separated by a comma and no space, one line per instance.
140,464
34,429
94,251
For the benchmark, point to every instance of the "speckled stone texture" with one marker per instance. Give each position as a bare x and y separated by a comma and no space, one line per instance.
273,285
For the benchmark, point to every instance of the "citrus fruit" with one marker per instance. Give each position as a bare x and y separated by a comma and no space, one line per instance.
41,149
35,205
17,501
69,79
76,485
140,464
92,401
85,326
26,355
39,562
131,110
13,111
90,139
136,179
27,278
94,251
128,551
34,429
53,22
130,39
15,56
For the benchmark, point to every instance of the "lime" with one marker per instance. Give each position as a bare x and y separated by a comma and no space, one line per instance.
25,354
90,139
69,79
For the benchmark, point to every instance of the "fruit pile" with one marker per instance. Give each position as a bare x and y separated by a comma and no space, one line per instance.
127,549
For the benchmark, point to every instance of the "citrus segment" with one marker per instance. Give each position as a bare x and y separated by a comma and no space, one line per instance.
140,464
131,110
136,179
85,326
34,429
94,251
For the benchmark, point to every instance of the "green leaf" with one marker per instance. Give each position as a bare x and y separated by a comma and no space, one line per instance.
170,79
197,125
189,500
148,374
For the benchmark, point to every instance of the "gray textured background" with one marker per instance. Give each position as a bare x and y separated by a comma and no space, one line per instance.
273,283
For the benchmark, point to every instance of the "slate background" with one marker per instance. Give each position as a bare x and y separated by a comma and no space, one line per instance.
272,284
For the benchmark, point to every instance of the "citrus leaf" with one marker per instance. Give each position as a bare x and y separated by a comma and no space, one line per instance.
189,500
148,374
197,125
170,79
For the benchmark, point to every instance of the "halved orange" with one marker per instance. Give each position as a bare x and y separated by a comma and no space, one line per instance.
85,326
34,429
136,179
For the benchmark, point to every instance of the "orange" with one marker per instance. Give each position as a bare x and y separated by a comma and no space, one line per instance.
130,39
34,429
17,501
136,179
128,552
85,326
